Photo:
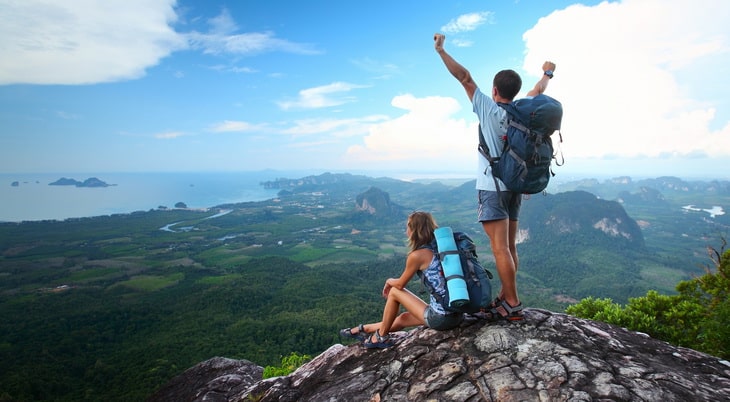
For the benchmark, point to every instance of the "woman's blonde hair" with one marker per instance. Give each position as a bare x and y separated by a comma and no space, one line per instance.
422,225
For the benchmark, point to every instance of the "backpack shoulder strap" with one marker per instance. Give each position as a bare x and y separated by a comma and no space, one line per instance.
484,148
510,108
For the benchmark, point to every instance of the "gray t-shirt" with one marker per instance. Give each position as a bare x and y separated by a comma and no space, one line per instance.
493,120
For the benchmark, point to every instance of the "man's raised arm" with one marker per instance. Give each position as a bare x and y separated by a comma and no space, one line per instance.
548,68
456,69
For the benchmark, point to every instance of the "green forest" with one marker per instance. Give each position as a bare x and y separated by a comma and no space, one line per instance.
696,317
112,307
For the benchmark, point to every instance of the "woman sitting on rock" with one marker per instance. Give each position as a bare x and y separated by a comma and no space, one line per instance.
419,230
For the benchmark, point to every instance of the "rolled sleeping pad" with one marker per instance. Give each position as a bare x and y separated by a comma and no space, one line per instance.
451,264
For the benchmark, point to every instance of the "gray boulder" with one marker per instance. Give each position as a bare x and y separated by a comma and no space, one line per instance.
214,380
546,357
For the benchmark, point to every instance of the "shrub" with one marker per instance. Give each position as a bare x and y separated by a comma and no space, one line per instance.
695,318
288,365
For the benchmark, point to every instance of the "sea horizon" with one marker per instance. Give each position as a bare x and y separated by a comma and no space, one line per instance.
30,197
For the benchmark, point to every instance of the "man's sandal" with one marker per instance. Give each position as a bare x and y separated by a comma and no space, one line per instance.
360,335
382,341
503,311
495,303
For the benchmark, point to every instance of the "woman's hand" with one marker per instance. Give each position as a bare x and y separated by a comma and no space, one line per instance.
386,288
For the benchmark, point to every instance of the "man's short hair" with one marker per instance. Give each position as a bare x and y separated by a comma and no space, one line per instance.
508,83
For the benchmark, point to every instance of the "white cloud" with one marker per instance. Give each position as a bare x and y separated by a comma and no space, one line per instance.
90,41
248,43
462,43
222,24
423,137
468,22
233,69
222,38
323,96
228,126
622,76
334,127
169,135
84,41
628,76
383,70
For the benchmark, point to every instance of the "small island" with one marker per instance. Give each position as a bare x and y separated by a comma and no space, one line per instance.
90,182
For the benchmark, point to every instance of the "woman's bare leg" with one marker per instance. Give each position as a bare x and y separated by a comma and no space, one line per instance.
392,321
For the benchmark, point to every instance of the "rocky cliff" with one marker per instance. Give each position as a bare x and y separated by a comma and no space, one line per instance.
574,214
377,202
547,357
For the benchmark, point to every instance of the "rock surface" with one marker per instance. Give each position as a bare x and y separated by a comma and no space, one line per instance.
377,202
547,357
216,379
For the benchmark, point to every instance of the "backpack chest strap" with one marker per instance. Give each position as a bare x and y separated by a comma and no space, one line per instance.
519,126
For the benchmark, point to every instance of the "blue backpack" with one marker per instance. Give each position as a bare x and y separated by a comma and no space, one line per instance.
524,165
477,278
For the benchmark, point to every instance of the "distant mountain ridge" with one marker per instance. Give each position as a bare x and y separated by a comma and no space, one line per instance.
576,213
328,181
613,187
572,242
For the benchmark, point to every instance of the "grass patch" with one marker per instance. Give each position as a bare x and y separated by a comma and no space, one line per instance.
344,256
218,280
663,279
150,283
307,253
223,257
88,275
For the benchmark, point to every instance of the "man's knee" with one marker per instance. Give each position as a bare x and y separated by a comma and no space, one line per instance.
501,250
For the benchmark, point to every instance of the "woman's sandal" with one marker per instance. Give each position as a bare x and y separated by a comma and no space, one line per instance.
503,311
382,341
360,335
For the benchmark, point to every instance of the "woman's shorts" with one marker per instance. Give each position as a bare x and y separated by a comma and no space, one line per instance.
441,322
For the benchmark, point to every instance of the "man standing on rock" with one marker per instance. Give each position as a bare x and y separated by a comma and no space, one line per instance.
498,211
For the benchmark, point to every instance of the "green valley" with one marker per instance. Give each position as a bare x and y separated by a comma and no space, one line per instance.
111,307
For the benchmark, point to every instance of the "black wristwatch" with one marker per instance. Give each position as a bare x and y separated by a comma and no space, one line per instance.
549,73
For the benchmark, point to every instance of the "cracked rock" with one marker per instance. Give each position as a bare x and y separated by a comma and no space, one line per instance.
546,357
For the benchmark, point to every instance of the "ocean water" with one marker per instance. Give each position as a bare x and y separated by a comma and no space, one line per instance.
34,199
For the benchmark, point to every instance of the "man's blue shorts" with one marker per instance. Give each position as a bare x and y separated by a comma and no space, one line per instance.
496,205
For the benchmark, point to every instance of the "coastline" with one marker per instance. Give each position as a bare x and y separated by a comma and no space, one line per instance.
33,199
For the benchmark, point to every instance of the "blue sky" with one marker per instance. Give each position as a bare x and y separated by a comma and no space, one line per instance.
161,85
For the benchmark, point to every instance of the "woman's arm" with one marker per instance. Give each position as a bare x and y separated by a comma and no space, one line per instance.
415,261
